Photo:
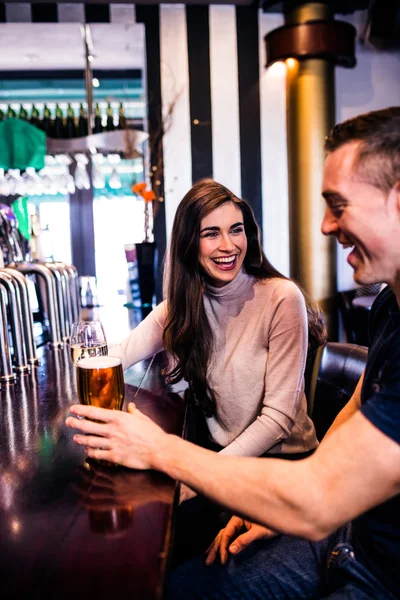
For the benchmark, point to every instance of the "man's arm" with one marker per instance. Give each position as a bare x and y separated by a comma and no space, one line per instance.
309,498
223,541
347,411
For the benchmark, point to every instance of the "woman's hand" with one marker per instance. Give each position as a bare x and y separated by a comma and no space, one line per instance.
130,439
222,543
186,493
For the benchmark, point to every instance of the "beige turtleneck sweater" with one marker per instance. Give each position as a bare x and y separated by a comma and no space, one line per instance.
257,367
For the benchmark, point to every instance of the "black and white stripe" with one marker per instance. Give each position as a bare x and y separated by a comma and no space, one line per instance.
218,84
198,48
150,16
225,98
66,12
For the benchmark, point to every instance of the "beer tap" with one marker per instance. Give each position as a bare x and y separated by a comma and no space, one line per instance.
27,320
6,370
14,301
51,298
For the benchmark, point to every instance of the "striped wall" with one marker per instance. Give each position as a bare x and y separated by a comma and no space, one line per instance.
229,112
210,60
57,12
228,118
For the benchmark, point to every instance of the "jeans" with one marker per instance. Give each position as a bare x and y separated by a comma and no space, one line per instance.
281,568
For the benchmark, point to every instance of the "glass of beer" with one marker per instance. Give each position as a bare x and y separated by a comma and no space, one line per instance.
100,382
87,339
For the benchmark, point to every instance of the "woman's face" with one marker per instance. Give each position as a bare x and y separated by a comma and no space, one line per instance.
223,244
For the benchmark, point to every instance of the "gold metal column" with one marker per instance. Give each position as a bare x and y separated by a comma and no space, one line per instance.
310,116
311,43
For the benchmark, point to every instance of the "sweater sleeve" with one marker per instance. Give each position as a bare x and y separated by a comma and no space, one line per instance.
286,352
143,341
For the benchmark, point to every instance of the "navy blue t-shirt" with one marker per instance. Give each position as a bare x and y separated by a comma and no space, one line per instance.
377,532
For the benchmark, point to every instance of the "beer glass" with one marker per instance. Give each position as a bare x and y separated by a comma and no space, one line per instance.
87,339
100,382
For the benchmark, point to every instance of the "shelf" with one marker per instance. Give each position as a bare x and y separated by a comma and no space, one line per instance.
126,141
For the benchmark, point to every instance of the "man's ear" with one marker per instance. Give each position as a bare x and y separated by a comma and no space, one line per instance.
394,198
397,191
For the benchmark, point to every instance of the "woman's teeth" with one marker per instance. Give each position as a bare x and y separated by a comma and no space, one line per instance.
228,259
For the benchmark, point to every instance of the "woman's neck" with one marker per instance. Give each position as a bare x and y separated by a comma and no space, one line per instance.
231,289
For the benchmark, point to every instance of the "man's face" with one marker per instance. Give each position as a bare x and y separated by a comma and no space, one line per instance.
363,217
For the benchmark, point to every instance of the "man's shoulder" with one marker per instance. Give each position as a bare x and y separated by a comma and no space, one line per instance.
381,387
383,303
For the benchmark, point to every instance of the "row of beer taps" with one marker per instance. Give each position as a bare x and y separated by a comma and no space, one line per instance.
57,291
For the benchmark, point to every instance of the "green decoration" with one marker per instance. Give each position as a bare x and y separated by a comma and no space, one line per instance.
20,209
22,145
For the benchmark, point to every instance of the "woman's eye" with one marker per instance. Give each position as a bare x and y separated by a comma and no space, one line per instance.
237,230
211,234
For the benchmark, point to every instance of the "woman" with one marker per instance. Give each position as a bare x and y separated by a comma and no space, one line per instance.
235,328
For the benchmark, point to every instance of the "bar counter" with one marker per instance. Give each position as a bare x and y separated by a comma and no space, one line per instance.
70,527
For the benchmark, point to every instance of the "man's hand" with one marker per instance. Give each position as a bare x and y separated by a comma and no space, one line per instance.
222,543
130,439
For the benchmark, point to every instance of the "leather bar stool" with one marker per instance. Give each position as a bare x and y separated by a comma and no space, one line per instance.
336,371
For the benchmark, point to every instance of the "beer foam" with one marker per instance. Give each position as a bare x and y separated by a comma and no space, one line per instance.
99,362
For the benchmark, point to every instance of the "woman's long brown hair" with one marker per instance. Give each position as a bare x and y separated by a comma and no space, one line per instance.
187,332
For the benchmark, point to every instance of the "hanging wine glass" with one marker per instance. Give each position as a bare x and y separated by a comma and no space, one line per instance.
4,187
99,180
82,179
115,181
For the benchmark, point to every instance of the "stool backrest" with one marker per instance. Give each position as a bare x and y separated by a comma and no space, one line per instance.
336,371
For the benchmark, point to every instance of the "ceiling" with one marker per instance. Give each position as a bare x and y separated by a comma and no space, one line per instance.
59,46
337,6
269,5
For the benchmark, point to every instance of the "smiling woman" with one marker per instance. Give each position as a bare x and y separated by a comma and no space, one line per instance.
236,331
223,244
235,328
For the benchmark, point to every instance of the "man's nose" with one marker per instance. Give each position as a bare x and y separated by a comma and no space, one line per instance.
329,225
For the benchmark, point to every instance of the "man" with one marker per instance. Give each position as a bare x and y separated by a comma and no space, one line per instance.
354,476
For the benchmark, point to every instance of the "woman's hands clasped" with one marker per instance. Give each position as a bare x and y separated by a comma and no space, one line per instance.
234,538
128,438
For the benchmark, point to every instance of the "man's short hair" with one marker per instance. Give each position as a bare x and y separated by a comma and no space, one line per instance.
378,134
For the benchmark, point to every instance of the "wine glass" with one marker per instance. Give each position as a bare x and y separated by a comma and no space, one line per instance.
87,340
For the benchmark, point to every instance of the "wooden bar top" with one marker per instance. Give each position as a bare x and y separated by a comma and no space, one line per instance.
70,528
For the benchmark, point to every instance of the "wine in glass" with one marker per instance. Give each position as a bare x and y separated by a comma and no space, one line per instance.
87,340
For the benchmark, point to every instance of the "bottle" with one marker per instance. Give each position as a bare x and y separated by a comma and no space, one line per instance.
46,121
121,117
110,118
23,115
98,127
83,122
70,128
10,113
58,123
34,242
34,120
